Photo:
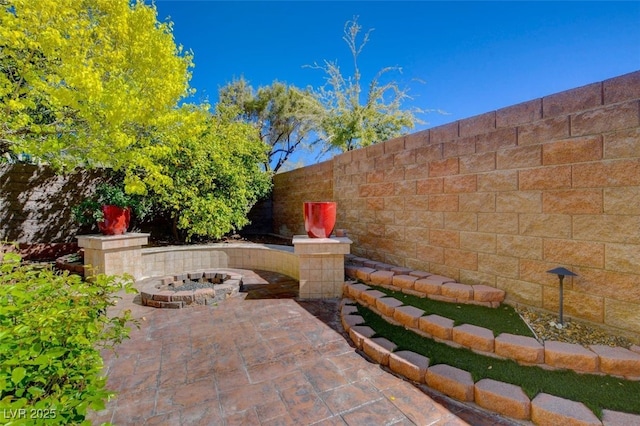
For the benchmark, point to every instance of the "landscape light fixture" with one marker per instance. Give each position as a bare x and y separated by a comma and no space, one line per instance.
561,273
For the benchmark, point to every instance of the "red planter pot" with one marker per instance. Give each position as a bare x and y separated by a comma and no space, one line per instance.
116,220
319,218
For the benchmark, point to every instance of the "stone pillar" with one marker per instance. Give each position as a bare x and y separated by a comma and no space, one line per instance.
114,254
321,265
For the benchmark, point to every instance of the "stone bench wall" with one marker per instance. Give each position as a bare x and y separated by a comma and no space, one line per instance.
161,261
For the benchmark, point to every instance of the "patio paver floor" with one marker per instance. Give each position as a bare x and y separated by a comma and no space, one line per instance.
254,360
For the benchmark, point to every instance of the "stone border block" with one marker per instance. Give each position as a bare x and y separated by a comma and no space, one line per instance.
504,398
457,291
166,280
571,356
485,293
404,281
551,410
195,276
358,260
451,381
408,316
420,274
163,296
409,364
381,266
474,337
359,333
520,348
426,286
349,321
363,273
351,271
355,290
346,309
379,349
440,279
387,305
381,277
617,361
616,418
437,326
370,297
414,293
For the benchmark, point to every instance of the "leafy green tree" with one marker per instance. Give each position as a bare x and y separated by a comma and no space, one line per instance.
284,115
353,119
90,83
215,172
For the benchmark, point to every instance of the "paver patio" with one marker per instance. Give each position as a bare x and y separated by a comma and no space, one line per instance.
254,362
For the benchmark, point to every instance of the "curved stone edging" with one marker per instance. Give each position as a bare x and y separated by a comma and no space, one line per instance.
503,398
421,284
225,284
598,359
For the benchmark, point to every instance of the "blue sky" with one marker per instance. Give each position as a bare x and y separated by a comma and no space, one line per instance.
465,58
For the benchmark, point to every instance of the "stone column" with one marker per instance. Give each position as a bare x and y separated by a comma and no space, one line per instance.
321,265
114,254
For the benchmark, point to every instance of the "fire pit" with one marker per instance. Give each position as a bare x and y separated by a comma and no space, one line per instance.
193,288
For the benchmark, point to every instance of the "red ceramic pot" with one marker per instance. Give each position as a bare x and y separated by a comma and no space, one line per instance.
116,220
319,218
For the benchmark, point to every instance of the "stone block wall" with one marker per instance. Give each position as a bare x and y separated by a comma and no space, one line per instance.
292,189
36,203
502,197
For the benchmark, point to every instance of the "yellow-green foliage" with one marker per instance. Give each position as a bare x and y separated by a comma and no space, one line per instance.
96,83
51,329
89,82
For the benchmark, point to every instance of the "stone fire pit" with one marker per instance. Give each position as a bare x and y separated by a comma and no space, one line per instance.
193,288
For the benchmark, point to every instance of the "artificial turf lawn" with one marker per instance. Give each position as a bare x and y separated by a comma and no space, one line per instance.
503,319
596,392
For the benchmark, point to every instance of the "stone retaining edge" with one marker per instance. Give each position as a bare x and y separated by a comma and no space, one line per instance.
554,355
503,398
428,285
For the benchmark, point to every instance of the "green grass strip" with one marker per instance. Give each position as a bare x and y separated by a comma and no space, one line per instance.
596,392
503,319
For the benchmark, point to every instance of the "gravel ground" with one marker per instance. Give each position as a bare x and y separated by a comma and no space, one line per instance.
546,328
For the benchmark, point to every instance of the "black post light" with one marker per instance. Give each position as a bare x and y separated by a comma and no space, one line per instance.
561,273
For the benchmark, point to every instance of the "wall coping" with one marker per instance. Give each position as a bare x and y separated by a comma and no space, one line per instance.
202,247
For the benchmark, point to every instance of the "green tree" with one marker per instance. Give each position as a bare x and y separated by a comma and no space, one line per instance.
215,172
90,83
284,115
353,119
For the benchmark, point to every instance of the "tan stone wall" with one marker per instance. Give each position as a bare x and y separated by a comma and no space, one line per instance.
291,189
36,203
502,197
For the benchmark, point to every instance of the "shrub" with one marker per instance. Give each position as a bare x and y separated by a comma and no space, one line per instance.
52,328
89,211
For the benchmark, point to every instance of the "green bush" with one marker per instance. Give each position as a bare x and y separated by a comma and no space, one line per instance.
89,211
52,328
